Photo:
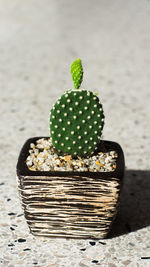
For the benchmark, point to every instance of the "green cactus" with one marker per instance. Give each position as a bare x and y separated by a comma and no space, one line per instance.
77,73
76,122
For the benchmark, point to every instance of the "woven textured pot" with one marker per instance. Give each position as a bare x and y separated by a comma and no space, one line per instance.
70,204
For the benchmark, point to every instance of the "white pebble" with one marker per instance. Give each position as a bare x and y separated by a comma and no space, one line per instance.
32,145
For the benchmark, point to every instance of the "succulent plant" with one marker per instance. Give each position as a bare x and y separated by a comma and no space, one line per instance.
76,119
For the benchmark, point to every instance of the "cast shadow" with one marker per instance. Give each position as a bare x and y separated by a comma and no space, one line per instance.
134,212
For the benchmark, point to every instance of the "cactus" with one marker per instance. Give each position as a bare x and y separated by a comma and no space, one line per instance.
76,120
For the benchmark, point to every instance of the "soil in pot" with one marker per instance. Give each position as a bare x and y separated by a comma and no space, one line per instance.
42,157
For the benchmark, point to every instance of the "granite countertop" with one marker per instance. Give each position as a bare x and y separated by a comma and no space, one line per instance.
38,41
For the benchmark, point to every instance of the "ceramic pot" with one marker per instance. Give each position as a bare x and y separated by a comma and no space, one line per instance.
70,204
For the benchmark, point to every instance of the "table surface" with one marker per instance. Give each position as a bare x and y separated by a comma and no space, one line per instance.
38,41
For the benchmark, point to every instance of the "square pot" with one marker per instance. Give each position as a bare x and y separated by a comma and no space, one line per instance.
70,204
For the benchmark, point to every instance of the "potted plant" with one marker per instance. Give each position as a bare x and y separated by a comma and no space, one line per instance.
70,182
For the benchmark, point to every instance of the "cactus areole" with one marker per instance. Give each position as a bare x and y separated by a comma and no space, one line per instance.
76,119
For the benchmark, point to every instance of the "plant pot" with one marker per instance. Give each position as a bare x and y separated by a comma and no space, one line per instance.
70,204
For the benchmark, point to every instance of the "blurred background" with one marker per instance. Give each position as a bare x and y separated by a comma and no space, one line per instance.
39,39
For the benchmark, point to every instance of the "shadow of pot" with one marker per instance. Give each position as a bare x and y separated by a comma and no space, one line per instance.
134,210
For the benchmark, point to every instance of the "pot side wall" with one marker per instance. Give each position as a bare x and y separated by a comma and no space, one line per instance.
79,207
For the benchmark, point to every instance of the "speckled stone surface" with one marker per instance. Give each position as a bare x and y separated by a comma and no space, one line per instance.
38,41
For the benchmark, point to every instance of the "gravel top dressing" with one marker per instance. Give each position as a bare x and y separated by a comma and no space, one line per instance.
42,157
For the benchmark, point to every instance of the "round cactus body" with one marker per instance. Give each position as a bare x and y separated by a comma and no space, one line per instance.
76,123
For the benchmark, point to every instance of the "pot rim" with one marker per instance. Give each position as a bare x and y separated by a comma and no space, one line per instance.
104,146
